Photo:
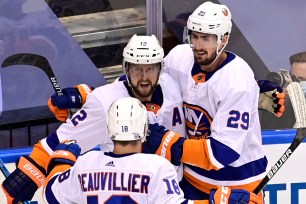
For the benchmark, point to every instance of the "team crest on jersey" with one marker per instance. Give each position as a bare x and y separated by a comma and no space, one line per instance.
199,78
198,121
152,107
225,12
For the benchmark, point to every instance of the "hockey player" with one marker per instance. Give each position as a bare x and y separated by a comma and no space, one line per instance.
220,106
124,175
163,101
143,66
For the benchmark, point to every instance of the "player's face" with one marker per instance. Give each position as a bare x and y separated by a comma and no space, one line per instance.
299,70
204,47
143,78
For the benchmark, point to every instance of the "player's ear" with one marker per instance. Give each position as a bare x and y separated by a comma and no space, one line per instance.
224,40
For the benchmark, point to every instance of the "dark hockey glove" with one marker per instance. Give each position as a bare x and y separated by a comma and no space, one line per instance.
231,196
24,181
165,143
65,153
72,98
271,97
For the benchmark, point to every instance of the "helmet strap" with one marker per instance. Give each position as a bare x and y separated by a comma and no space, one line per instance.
217,51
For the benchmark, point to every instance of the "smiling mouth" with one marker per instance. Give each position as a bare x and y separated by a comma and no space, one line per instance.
200,53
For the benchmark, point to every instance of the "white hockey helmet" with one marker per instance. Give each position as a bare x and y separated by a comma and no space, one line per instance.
143,50
127,120
210,18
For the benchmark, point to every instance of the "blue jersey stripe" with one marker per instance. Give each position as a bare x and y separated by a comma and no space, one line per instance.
49,193
224,154
230,173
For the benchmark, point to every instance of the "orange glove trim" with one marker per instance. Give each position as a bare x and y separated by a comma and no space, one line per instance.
61,154
8,197
222,194
60,114
31,171
168,140
40,155
84,90
281,101
280,95
256,199
201,202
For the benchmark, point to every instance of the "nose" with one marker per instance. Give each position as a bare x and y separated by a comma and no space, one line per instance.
143,74
197,44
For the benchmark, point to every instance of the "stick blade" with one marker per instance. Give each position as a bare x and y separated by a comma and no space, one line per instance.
34,60
25,59
301,134
298,103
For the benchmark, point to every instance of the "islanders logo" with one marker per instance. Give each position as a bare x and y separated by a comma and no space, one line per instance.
198,121
225,12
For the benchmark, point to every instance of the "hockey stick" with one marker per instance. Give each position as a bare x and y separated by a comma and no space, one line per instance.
6,173
3,169
299,107
36,61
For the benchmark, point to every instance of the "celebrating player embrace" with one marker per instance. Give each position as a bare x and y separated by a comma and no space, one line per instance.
206,93
124,175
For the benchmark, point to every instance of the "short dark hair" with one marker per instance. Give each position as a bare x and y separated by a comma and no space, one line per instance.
298,57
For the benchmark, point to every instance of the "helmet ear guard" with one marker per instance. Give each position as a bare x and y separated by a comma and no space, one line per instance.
127,120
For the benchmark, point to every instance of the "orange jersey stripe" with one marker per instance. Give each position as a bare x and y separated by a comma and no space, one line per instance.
57,169
206,187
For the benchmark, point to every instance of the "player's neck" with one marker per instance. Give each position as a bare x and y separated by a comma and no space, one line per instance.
143,99
119,149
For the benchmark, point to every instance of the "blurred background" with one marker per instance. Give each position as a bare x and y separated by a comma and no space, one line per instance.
83,42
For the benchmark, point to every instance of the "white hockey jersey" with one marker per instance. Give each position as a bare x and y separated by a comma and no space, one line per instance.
88,125
103,177
220,107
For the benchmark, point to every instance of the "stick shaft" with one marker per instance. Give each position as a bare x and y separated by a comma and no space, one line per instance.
299,137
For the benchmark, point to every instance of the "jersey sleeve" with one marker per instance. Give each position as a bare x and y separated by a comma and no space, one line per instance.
165,187
87,126
63,187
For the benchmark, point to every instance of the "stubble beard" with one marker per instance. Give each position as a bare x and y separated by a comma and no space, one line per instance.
206,61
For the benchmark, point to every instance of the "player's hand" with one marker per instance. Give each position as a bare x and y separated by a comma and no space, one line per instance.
271,97
233,196
72,98
64,153
24,181
165,143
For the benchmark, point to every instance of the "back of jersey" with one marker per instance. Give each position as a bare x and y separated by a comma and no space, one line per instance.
100,177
